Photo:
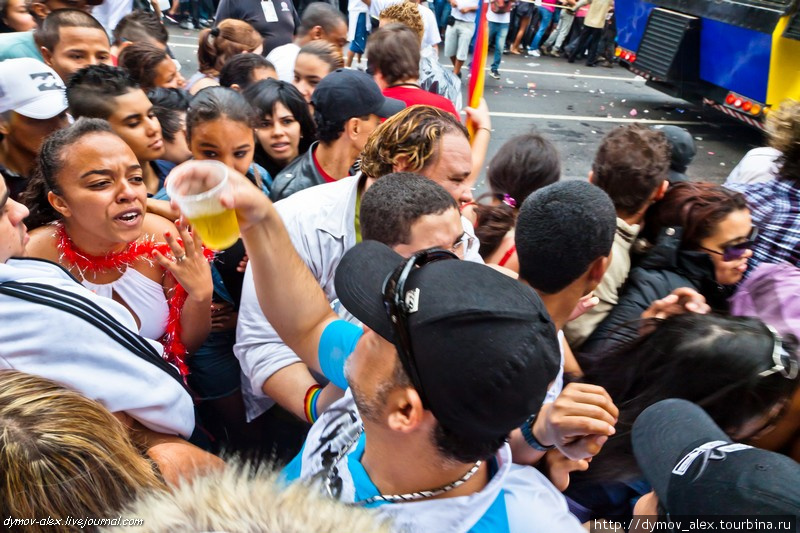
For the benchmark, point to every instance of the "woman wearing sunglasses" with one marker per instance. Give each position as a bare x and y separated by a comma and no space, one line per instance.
703,238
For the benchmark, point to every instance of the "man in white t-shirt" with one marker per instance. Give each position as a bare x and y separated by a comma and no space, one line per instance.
458,36
358,28
320,21
499,17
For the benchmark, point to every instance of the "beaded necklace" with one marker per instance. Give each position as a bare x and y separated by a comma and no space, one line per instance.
394,498
174,350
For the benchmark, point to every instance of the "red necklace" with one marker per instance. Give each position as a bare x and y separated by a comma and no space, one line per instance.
174,349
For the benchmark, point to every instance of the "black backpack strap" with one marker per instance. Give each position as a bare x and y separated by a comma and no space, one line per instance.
92,313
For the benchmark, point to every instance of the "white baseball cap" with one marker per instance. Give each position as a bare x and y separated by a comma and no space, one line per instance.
31,88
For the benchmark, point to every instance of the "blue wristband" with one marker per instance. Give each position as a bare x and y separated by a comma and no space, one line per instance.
527,434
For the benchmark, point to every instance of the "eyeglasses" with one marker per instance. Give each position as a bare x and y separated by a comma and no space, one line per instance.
783,361
733,252
399,305
464,243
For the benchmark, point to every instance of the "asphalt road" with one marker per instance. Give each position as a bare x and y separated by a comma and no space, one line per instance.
575,106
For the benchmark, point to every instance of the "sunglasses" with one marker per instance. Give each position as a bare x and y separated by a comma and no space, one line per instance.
732,252
399,305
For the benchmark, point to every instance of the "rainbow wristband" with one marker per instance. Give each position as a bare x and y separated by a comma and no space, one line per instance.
310,403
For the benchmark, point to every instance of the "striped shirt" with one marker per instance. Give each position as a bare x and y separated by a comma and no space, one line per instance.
775,208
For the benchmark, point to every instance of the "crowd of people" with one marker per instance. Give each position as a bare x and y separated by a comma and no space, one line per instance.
550,352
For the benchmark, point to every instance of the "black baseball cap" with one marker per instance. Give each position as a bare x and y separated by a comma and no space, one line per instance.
695,468
348,93
483,344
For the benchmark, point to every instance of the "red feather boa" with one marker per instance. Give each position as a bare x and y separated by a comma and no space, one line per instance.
174,349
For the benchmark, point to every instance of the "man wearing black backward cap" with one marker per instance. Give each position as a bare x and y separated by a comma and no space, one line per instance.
438,378
348,106
695,469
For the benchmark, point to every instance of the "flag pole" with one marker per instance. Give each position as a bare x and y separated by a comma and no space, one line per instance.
477,76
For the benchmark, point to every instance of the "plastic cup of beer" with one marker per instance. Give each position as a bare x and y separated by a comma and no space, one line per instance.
196,186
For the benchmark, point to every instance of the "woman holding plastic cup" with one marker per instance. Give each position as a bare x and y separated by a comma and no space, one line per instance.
87,201
219,130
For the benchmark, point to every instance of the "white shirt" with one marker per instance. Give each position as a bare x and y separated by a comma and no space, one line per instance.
283,59
757,166
65,348
110,12
502,18
430,35
462,4
320,222
357,6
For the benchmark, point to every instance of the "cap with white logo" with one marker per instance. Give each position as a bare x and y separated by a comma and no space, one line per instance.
31,88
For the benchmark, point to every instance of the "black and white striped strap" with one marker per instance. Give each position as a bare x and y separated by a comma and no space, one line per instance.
92,313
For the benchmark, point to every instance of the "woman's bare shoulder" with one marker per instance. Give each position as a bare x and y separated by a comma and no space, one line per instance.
42,243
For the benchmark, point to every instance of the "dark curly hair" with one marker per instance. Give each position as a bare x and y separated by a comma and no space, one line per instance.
393,203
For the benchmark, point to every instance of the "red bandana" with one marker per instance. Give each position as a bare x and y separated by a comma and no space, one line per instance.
174,349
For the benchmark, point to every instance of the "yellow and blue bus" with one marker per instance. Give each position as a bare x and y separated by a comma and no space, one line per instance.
741,57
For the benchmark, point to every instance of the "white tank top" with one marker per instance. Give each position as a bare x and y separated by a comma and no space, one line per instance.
143,296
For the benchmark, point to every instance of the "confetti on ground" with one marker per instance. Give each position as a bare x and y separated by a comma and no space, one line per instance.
509,81
633,112
698,138
623,100
711,153
531,85
722,165
602,108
